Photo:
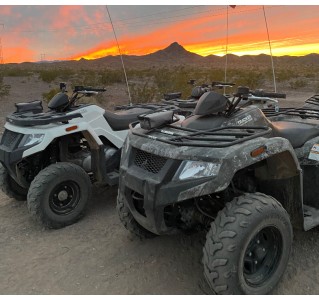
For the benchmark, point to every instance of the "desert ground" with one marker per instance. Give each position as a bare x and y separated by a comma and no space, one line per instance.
98,256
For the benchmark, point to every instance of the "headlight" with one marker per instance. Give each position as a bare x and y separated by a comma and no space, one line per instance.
32,139
196,169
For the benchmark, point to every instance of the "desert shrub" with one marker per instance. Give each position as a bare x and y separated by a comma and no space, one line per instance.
297,84
17,72
285,74
142,93
310,74
141,73
88,78
4,88
49,95
173,81
51,75
109,77
250,78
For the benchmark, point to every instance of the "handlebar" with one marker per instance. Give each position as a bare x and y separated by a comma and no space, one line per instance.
80,88
220,83
261,93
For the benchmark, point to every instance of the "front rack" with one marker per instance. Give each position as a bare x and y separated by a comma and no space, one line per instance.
302,112
313,100
215,138
269,112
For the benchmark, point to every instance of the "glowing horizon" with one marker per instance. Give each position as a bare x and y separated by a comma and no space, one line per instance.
298,50
75,32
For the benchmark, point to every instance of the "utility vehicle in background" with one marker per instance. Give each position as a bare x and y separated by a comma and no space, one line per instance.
256,97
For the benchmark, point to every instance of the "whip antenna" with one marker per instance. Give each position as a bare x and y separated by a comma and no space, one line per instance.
272,61
118,47
226,50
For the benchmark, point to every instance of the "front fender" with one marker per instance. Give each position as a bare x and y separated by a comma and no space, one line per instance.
235,158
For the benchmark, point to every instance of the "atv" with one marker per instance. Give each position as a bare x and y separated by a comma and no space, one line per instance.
187,105
256,97
51,158
245,179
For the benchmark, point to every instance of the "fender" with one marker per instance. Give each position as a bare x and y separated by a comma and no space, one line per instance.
236,158
282,164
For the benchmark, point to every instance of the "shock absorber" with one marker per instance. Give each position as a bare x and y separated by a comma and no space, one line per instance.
203,219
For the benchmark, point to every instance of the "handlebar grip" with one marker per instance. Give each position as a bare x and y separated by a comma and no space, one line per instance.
79,88
261,93
222,83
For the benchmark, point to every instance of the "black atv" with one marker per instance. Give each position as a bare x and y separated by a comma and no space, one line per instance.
245,178
188,105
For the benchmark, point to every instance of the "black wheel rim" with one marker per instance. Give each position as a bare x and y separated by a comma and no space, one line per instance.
64,197
262,256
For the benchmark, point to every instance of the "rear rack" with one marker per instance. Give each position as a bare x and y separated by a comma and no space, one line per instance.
153,106
30,119
215,138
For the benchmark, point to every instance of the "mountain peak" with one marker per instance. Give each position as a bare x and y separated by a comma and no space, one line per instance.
175,48
175,52
175,45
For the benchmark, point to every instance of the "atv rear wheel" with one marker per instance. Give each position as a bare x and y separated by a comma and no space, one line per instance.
10,187
247,248
59,194
128,220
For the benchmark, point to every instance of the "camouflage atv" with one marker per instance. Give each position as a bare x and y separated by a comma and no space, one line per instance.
245,178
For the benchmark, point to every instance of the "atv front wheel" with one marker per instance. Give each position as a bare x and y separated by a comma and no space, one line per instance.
59,194
248,246
10,187
128,220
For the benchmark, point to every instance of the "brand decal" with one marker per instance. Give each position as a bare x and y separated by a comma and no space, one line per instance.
314,152
245,120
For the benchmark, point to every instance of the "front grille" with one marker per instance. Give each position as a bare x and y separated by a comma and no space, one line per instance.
9,138
149,162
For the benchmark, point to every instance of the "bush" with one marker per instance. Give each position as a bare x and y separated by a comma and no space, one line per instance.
250,78
297,84
51,75
283,75
17,72
109,77
142,94
4,88
49,95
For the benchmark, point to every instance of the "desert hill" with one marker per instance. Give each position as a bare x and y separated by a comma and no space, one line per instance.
177,55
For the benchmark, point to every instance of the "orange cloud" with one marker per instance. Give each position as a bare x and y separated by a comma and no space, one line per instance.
20,54
73,32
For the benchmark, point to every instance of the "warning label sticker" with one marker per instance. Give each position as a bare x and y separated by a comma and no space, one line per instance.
314,152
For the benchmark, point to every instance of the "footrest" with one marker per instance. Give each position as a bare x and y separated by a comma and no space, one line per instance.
112,178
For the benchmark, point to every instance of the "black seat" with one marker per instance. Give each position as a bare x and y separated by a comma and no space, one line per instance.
32,106
121,120
296,133
203,122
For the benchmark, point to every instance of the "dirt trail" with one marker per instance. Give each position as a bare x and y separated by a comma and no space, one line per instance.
98,256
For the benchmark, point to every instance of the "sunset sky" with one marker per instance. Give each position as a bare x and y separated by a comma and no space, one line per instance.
32,33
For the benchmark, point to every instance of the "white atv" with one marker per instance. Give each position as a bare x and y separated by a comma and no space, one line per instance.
50,158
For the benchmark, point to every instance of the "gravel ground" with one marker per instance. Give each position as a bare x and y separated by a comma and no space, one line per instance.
98,256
